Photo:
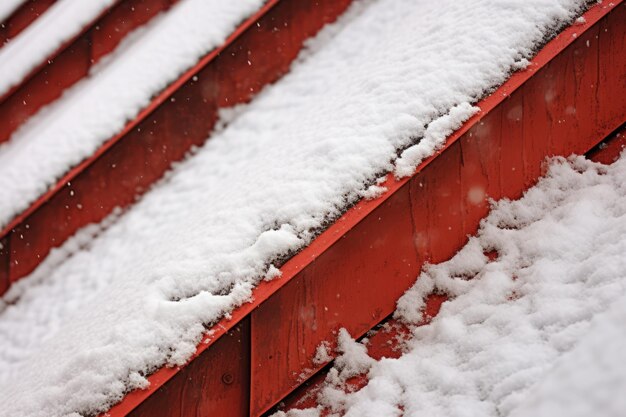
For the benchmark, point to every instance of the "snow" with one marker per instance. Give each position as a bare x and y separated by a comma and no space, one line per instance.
7,7
121,299
589,380
61,22
536,332
434,137
71,129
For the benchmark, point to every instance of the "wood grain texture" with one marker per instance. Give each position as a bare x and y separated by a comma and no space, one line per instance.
215,384
354,285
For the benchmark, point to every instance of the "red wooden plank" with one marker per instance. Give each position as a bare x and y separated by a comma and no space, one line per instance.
480,178
184,116
512,151
438,208
215,384
354,284
610,149
4,265
612,74
21,18
384,341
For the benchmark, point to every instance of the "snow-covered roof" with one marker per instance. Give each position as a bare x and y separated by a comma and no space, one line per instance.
99,313
536,332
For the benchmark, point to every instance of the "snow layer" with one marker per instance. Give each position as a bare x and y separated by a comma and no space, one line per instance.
591,379
500,346
61,22
7,7
100,313
73,128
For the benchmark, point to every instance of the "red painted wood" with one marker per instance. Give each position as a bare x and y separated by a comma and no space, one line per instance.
384,341
72,61
610,149
437,211
612,78
215,384
4,265
21,18
113,27
349,285
513,160
127,165
471,155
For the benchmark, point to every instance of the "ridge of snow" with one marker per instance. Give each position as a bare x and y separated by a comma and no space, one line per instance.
537,332
434,138
76,335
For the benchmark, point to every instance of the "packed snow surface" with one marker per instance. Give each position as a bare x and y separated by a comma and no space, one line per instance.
7,7
60,23
537,332
101,312
72,128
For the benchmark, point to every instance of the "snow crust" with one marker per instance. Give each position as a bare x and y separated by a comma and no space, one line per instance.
100,313
537,332
94,110
60,23
7,7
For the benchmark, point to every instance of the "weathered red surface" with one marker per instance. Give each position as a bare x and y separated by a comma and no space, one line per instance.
73,60
215,383
386,339
352,274
4,265
610,149
181,117
354,285
21,18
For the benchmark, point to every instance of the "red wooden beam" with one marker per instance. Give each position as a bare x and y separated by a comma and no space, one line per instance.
609,150
21,18
351,275
385,340
216,383
180,117
73,61
4,265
